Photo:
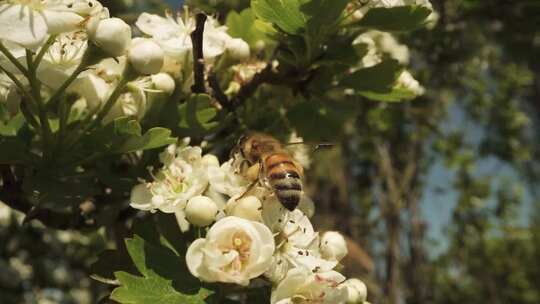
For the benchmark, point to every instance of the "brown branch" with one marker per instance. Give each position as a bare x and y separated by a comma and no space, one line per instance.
217,92
11,194
267,75
199,86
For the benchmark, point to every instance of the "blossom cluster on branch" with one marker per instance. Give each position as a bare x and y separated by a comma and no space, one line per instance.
249,233
83,95
77,48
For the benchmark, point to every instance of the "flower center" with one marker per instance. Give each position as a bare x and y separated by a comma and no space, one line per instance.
67,50
241,243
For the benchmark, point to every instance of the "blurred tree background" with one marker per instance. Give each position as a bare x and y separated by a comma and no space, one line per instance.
438,195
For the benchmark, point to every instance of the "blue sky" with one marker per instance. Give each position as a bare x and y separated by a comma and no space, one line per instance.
437,206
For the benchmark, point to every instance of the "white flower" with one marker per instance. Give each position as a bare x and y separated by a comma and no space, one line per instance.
235,250
302,286
169,32
333,246
367,5
93,89
226,180
407,81
173,35
244,72
132,102
163,82
182,177
248,207
145,56
356,291
378,44
62,58
112,35
27,22
201,211
238,49
9,94
5,214
297,243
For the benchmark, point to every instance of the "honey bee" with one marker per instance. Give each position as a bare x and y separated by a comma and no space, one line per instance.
266,161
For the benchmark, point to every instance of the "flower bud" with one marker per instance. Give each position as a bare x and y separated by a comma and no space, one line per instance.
141,197
145,56
132,102
333,246
163,82
248,207
238,49
201,211
10,96
356,291
113,36
210,160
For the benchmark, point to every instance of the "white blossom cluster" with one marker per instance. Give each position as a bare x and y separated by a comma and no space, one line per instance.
363,6
249,233
378,45
80,39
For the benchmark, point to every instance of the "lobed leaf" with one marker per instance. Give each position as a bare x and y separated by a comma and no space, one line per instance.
379,78
285,14
395,19
165,278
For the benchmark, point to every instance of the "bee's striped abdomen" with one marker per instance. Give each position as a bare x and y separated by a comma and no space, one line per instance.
284,178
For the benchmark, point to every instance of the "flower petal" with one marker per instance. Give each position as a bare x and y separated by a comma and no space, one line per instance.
22,25
61,22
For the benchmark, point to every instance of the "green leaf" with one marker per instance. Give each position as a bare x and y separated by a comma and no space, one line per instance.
197,115
60,190
123,135
10,126
170,234
300,16
379,78
395,95
165,278
323,14
314,120
243,25
14,150
285,14
108,262
395,19
153,138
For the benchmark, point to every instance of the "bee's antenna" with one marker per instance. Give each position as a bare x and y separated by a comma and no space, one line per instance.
324,145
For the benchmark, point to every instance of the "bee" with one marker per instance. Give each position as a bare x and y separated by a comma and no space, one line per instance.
266,161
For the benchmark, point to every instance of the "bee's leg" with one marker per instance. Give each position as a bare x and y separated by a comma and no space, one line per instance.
242,168
248,189
252,173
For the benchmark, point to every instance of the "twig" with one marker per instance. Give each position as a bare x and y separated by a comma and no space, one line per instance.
266,75
12,195
217,92
13,60
198,57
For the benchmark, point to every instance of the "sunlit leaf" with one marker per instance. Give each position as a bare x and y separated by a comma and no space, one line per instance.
165,278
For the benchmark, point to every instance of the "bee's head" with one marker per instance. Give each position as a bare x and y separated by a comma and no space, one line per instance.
253,146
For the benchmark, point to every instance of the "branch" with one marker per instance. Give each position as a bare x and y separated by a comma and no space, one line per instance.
12,195
217,92
264,76
198,56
